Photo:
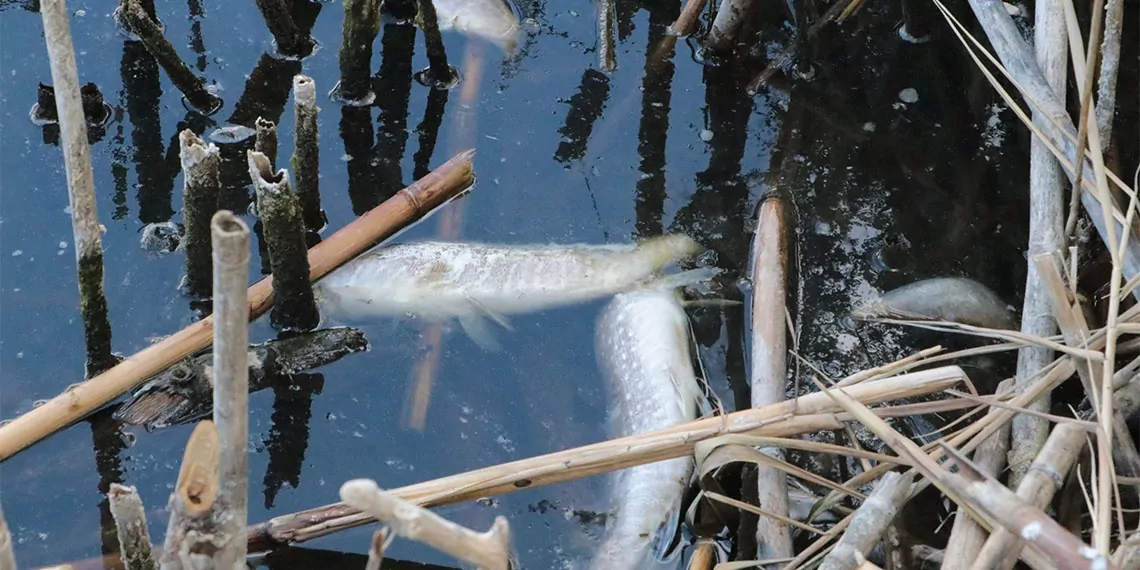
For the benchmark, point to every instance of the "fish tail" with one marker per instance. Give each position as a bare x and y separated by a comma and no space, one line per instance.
684,278
662,250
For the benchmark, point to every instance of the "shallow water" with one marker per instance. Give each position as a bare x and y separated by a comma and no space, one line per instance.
565,154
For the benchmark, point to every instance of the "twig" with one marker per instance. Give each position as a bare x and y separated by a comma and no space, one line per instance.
870,520
130,521
291,41
380,541
1045,235
403,209
180,75
687,21
7,558
266,141
488,551
768,375
727,23
201,185
967,536
306,151
571,464
193,499
85,225
295,309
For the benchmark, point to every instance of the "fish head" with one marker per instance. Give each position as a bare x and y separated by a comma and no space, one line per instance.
663,250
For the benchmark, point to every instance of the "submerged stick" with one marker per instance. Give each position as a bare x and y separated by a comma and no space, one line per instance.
192,86
306,151
727,23
361,24
7,558
85,225
378,224
130,522
791,417
488,550
1046,226
967,536
869,522
687,20
438,74
768,374
295,308
200,189
266,140
290,40
231,384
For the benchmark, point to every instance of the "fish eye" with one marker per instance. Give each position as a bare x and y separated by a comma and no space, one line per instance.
180,373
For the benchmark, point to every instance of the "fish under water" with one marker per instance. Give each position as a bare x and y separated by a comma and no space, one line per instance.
643,350
439,281
493,20
184,392
953,299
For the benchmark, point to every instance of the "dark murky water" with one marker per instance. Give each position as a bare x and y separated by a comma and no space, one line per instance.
565,154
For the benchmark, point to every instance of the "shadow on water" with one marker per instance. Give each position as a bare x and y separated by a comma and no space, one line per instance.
669,142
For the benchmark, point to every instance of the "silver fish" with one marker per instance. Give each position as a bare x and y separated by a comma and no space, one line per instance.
439,281
953,299
231,134
493,20
642,345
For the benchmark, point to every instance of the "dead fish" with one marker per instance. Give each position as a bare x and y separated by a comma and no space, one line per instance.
184,392
642,346
439,281
493,20
231,134
953,299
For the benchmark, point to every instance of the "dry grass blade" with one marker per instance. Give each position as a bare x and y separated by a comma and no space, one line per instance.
713,455
758,511
1011,336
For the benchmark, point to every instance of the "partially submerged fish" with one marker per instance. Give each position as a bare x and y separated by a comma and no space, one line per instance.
642,346
492,20
440,281
184,392
953,299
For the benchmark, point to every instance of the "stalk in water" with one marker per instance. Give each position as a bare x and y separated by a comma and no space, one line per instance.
201,185
306,152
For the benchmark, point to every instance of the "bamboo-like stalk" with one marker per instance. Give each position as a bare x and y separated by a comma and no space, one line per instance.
80,185
361,24
967,536
870,520
231,384
306,151
266,140
7,558
291,41
768,375
704,556
192,501
180,75
295,308
791,417
200,189
406,207
607,35
376,549
687,21
130,522
1046,224
488,551
438,74
1109,66
727,23
1037,488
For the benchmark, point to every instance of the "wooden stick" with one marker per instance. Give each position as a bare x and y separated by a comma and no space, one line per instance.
704,556
200,189
7,558
687,21
488,551
231,384
295,308
380,223
193,498
1046,225
192,86
130,522
361,24
768,373
727,23
870,520
376,549
306,151
85,225
791,417
967,536
291,41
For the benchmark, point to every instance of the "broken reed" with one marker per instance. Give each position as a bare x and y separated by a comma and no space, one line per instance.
148,32
361,24
306,152
201,185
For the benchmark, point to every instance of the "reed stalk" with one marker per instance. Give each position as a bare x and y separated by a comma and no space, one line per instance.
291,41
150,34
439,74
130,522
725,26
7,558
361,24
607,35
266,140
200,189
190,526
306,152
869,521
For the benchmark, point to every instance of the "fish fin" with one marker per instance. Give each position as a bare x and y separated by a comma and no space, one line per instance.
476,328
495,316
690,277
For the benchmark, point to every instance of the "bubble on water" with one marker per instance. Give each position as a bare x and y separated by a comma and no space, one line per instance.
908,95
706,135
17,253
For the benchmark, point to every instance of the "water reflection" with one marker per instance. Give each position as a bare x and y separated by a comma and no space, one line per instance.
288,438
393,87
654,126
586,107
143,93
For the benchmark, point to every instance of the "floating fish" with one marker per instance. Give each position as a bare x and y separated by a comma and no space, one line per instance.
493,20
472,282
642,346
184,392
951,299
231,134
